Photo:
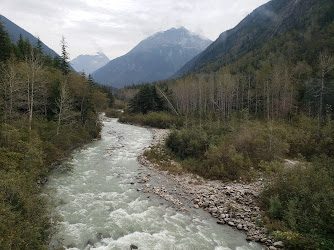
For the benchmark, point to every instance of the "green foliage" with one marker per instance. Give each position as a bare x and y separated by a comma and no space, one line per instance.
5,44
302,199
188,143
44,115
24,220
229,152
113,113
153,119
64,61
147,100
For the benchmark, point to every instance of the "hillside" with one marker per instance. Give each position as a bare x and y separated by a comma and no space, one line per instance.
14,32
268,22
155,58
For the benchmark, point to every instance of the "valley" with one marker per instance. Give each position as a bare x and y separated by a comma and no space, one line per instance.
215,134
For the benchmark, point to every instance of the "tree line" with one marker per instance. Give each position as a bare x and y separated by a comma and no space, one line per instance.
46,110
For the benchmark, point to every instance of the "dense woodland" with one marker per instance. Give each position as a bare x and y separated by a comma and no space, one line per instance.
240,117
46,111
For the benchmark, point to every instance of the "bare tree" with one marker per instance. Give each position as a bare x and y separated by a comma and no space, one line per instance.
326,65
10,80
63,103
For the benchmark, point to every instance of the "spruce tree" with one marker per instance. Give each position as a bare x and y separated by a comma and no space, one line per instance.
39,48
64,64
5,44
146,100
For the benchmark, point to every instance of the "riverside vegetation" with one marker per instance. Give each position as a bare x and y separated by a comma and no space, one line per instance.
298,200
262,93
240,116
46,112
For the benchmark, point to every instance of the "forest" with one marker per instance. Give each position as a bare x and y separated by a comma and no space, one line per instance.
47,110
243,120
261,113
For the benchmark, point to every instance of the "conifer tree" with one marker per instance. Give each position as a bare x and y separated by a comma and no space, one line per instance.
5,44
39,48
146,100
64,64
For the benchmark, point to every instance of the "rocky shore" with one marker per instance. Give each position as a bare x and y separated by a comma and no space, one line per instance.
233,204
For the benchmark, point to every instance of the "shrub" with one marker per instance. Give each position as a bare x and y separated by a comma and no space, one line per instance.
188,143
303,199
153,119
113,113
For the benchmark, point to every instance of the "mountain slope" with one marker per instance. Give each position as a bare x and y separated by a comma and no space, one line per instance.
89,63
266,22
14,32
155,58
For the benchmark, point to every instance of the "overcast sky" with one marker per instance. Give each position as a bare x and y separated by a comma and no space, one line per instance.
116,26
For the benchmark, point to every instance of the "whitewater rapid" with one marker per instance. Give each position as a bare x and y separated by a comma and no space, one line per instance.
95,194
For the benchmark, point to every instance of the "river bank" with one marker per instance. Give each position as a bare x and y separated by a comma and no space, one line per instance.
233,204
101,208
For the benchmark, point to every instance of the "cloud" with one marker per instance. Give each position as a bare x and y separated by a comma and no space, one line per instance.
115,27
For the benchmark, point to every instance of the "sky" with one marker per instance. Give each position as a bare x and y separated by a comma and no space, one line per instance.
114,27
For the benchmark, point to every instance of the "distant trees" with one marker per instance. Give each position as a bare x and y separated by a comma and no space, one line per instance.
146,100
5,44
10,78
45,112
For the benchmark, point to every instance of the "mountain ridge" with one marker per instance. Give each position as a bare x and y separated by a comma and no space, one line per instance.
266,22
14,32
155,58
89,63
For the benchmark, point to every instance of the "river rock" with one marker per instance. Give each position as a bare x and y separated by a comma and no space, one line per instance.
239,227
230,223
278,244
133,247
272,248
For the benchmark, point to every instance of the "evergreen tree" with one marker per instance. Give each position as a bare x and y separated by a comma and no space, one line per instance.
20,47
24,48
64,64
39,48
91,83
56,62
5,44
146,100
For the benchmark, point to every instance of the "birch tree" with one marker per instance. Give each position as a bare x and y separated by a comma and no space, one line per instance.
63,104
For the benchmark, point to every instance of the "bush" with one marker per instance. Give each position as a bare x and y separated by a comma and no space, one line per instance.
113,113
24,220
118,104
188,143
154,119
303,200
261,141
224,162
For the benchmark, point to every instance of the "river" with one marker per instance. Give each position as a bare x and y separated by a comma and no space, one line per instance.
95,193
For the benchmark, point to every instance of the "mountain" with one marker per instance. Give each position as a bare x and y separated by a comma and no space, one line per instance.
14,32
266,23
156,58
89,63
